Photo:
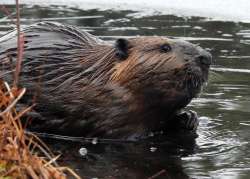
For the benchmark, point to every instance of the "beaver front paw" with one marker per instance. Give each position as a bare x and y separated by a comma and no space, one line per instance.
188,120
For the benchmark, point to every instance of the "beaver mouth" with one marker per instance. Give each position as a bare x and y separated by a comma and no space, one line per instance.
196,69
195,78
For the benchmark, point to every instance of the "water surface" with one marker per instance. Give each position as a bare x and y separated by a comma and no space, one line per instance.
222,149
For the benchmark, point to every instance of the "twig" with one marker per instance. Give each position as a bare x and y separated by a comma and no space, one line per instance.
9,90
20,45
14,102
157,174
70,171
53,160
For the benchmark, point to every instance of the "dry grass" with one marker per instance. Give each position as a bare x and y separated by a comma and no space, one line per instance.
20,154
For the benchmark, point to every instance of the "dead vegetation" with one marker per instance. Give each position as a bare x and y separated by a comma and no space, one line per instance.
23,155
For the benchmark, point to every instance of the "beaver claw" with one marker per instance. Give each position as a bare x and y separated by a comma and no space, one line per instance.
189,120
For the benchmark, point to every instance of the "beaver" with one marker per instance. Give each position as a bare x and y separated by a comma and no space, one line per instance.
84,86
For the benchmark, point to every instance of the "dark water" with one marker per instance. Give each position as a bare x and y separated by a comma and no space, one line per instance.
222,149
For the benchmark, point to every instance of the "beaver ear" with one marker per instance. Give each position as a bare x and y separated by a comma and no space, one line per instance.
121,47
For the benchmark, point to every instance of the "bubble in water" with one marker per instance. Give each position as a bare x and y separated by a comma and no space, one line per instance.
83,151
197,27
153,149
151,134
94,141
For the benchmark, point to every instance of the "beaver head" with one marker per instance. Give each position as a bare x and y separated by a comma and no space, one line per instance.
161,72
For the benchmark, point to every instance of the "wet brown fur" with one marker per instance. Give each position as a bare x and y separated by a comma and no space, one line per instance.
85,88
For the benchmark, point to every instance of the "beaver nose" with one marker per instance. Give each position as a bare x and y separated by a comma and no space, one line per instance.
204,58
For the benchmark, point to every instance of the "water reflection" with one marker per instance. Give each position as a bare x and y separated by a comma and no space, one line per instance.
222,149
155,157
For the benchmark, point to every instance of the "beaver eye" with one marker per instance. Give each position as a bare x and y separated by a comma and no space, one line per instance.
165,48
